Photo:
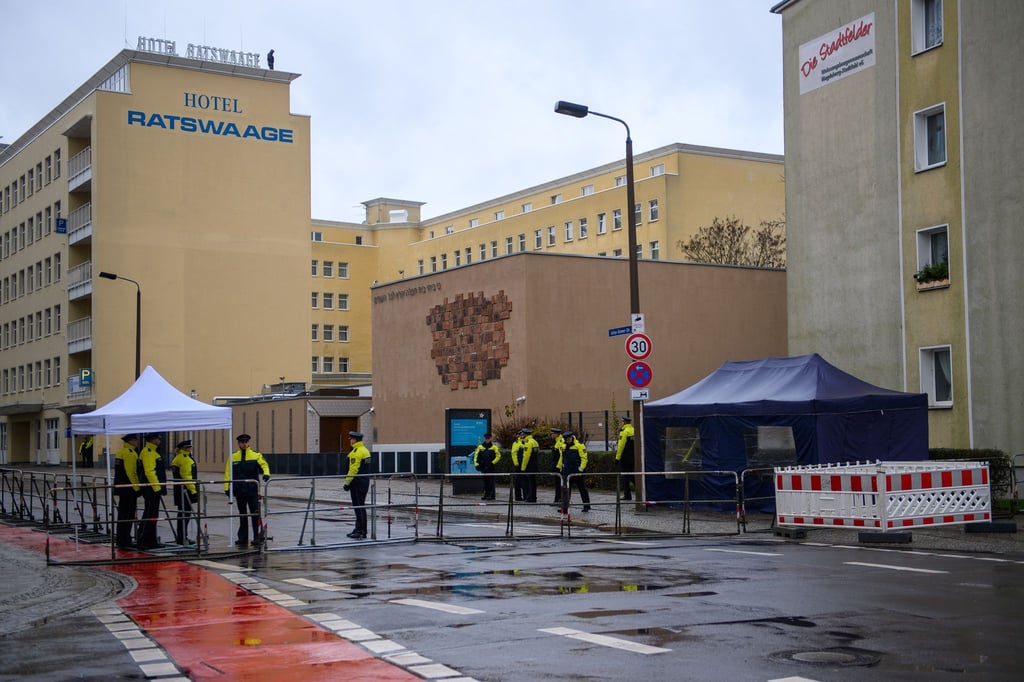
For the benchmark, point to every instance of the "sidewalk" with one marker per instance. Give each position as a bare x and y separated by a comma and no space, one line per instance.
401,491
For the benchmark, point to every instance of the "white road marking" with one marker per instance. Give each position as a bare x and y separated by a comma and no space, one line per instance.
742,551
303,582
893,568
624,542
793,679
447,608
605,640
217,566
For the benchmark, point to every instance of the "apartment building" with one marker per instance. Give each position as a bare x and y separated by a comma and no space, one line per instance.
903,202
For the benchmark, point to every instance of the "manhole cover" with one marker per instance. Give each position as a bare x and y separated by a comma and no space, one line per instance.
839,656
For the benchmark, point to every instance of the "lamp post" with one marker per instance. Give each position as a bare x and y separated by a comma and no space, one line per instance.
581,111
138,316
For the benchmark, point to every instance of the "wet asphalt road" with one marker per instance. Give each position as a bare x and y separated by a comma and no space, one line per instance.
590,608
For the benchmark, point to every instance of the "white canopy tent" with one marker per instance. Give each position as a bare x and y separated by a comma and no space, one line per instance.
151,404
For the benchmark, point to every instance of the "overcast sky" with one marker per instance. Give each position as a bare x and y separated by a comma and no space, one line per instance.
448,102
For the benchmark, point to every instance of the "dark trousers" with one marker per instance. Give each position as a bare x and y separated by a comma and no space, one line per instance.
489,492
530,486
87,459
519,481
357,491
248,515
127,508
581,484
184,514
150,513
625,464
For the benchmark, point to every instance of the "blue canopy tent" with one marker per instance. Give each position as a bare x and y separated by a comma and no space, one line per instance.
820,415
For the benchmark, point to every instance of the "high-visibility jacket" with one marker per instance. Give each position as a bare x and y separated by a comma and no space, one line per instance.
559,447
479,458
574,459
183,468
126,466
244,468
152,467
626,435
529,445
356,457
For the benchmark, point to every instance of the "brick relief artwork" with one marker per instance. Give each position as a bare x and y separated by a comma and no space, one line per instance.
469,346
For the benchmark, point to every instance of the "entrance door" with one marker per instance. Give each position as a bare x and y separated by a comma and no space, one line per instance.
334,433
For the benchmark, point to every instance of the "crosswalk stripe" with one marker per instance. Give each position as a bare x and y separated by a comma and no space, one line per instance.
605,640
447,608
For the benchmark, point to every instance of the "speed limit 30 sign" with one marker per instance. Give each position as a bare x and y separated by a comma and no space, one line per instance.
638,346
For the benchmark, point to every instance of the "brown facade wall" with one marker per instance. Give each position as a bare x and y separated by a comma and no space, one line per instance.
550,315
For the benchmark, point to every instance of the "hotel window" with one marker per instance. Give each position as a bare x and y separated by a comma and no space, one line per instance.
342,365
494,248
49,373
655,251
522,242
56,323
433,263
39,225
444,261
508,245
638,213
552,237
499,215
342,270
342,301
602,223
315,332
933,246
527,207
328,268
49,220
328,332
469,255
473,222
419,266
652,209
328,364
556,198
457,257
617,219
538,238
56,371
315,365
21,189
483,252
56,163
315,299
343,333
31,182
617,253
56,267
48,322
313,268
568,230
49,169
930,137
639,250
39,176
925,24
620,180
328,301
657,170
937,376
586,190
316,236
583,228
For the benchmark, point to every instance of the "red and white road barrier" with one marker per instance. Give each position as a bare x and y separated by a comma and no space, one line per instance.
883,495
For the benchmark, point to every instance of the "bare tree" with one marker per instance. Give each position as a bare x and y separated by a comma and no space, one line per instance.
730,242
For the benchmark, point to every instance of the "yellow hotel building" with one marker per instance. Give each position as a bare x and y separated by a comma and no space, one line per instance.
189,180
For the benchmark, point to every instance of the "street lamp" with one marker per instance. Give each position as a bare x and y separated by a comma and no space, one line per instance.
581,111
138,316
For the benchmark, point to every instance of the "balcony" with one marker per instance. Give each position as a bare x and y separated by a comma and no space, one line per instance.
80,171
80,335
80,281
80,226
